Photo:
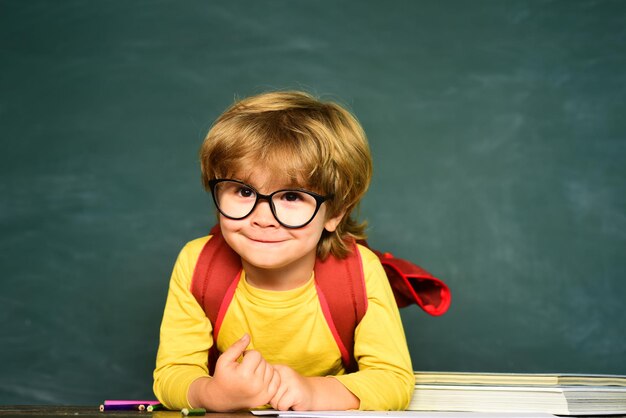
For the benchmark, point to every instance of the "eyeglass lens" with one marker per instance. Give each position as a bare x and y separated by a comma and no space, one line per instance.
290,207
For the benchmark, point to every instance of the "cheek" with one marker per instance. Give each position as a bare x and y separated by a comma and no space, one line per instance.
229,225
230,230
311,233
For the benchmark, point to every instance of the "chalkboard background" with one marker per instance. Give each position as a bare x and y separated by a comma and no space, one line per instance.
499,135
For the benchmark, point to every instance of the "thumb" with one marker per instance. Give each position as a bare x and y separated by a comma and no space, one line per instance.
232,353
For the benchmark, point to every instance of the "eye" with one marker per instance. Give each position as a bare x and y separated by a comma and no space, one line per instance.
292,196
244,191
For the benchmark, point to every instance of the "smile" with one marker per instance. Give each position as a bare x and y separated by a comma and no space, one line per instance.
265,241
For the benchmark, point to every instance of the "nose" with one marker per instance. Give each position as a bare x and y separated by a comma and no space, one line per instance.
262,214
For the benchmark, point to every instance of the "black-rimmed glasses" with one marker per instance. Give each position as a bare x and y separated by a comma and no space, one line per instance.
292,208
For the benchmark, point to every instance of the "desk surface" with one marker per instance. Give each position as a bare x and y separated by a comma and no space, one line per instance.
49,411
93,411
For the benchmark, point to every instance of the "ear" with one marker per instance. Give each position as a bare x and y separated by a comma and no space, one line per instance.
331,223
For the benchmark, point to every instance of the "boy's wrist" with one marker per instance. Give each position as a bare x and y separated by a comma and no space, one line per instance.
197,393
205,393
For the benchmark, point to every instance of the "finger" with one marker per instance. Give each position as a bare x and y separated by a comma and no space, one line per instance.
252,359
285,402
275,401
280,391
268,373
273,385
232,353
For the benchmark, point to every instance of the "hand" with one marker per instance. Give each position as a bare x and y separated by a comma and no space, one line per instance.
246,384
295,391
315,393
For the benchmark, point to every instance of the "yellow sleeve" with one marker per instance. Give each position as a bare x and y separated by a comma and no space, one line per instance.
385,380
186,334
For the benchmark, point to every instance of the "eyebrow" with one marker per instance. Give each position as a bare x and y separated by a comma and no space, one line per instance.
283,184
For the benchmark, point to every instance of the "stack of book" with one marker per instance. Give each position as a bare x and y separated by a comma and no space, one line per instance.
559,394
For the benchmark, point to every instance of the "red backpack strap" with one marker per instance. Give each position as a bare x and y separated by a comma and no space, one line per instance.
341,291
214,282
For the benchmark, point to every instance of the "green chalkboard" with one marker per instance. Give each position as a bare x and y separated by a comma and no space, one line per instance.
499,140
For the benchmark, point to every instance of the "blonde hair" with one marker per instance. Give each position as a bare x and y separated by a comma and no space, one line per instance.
313,144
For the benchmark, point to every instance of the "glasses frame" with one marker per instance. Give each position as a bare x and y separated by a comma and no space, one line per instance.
319,199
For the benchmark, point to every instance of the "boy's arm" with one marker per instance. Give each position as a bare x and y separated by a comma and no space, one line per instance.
185,335
385,380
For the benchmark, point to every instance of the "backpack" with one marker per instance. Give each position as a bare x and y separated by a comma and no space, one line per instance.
340,286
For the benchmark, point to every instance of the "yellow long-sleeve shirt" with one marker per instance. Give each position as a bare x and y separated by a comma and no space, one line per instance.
287,327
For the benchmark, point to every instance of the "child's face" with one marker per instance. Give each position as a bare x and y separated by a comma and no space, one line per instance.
267,248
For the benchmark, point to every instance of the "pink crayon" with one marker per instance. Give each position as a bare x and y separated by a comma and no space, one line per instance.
126,405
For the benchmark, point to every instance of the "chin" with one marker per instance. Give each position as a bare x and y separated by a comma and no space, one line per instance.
268,260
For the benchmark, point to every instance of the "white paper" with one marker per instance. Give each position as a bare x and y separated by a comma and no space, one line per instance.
397,414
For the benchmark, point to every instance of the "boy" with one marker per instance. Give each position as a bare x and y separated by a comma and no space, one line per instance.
286,172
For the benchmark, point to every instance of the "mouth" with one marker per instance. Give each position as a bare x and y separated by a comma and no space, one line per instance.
265,240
